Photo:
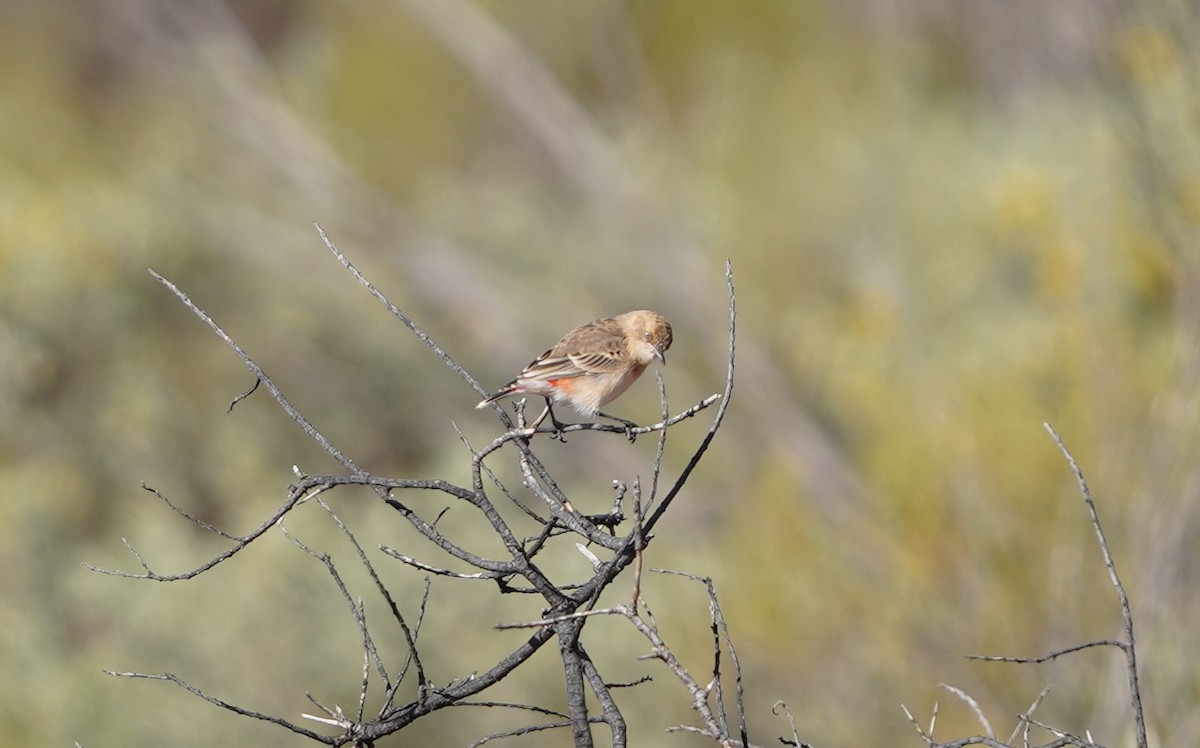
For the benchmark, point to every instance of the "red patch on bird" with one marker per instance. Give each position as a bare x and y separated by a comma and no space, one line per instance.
561,384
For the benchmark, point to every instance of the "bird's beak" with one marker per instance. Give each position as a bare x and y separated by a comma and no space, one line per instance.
661,356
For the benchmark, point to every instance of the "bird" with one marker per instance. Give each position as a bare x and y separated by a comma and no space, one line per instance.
592,365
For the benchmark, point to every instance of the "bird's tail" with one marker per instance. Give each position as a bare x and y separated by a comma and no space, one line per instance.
502,392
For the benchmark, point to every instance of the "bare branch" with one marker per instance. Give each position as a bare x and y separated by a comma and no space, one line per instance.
661,449
973,704
518,732
1051,655
253,388
712,724
662,425
618,610
225,704
1135,693
421,335
1024,723
261,376
720,631
795,741
720,416
608,707
295,496
189,517
356,609
385,710
639,543
496,480
916,725
438,570
410,638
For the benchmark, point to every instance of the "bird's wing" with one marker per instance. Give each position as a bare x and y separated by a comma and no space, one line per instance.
595,348
547,367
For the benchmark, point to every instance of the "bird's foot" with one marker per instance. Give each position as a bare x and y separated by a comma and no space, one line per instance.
558,428
629,425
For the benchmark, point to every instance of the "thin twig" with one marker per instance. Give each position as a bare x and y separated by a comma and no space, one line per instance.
1128,646
409,637
618,610
496,479
356,609
295,496
973,704
717,419
261,376
253,388
1024,723
661,450
398,314
527,730
171,677
720,631
189,517
699,693
795,741
437,569
611,714
1050,655
639,543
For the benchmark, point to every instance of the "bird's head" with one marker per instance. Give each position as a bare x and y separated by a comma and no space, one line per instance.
649,333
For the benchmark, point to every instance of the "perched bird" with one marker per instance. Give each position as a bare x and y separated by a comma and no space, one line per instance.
592,365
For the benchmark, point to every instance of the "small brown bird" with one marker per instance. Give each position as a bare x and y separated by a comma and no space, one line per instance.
592,364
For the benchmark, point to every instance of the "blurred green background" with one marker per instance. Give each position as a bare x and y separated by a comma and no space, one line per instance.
949,222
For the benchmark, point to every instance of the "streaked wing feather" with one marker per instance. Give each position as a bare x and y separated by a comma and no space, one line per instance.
597,362
551,367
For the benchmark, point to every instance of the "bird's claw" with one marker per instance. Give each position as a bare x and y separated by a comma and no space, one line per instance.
628,425
558,429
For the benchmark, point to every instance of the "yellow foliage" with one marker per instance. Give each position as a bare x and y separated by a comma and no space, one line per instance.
1148,54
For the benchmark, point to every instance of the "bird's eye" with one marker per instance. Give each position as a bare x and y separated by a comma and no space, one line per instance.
646,334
